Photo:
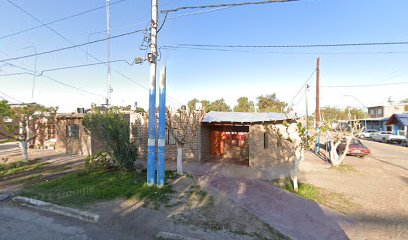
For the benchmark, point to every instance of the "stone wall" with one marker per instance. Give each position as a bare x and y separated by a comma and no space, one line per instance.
261,155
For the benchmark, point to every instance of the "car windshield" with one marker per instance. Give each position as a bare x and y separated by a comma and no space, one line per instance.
356,142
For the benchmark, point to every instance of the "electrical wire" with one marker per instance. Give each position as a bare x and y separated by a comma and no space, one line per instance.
70,47
58,20
227,5
32,73
363,85
7,97
169,47
298,45
199,12
65,68
294,97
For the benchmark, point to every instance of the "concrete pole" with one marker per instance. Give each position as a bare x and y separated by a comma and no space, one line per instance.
151,146
317,113
161,151
307,115
108,73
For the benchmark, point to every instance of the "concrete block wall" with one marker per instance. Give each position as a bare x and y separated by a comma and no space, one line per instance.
205,134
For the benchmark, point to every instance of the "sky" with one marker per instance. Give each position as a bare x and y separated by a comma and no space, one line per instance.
209,74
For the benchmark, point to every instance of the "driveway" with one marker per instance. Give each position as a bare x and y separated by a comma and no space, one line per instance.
295,217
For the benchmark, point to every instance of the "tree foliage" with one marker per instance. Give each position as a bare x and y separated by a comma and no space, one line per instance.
244,105
114,132
218,105
332,113
271,103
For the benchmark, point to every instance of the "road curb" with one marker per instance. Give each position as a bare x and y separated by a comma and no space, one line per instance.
4,197
172,236
66,211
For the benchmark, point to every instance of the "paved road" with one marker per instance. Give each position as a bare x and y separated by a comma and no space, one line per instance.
390,154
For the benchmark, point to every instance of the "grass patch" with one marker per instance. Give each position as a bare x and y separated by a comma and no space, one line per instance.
17,167
344,168
337,201
85,188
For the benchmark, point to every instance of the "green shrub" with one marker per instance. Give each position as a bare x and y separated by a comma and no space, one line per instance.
113,131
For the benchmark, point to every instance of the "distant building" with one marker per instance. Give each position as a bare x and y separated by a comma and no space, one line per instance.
399,124
378,116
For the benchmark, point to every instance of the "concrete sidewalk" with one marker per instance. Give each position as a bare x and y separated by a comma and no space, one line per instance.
295,217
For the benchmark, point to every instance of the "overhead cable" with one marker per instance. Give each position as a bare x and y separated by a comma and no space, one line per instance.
227,5
58,20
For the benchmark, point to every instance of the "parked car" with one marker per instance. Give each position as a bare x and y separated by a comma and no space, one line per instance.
367,133
404,142
387,136
356,148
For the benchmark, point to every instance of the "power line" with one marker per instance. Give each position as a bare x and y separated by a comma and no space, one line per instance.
9,97
30,72
70,47
169,47
228,5
58,20
311,75
363,85
66,67
297,45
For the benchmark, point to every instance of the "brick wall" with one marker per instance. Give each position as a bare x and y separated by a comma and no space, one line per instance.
205,133
141,122
259,156
82,145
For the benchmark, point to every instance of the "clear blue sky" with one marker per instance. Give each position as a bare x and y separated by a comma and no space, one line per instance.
214,74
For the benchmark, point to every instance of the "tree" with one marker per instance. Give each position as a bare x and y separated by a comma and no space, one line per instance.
22,123
355,113
206,105
244,105
183,126
333,113
293,138
338,134
404,100
114,132
192,103
219,105
270,103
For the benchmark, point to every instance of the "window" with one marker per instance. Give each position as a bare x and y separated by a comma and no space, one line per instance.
72,131
379,111
169,138
266,140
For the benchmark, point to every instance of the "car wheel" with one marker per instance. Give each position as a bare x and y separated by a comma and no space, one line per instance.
384,140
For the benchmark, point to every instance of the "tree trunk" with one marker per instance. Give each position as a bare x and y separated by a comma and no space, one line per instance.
180,159
23,146
298,157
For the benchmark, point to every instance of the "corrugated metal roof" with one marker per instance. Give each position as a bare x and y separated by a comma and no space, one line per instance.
402,118
244,117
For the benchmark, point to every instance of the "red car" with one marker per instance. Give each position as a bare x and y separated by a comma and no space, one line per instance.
356,148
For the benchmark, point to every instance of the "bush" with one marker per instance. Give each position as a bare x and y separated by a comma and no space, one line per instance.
113,131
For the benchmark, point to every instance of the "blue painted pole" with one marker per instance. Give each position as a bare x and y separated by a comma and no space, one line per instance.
161,152
151,131
151,142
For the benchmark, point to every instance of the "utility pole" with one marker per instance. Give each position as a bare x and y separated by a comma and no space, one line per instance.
161,149
108,80
307,115
317,112
152,58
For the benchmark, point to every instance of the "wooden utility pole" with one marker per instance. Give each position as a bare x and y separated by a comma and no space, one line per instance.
317,113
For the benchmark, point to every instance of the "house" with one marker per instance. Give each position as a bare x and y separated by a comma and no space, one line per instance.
378,116
232,137
241,138
399,123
